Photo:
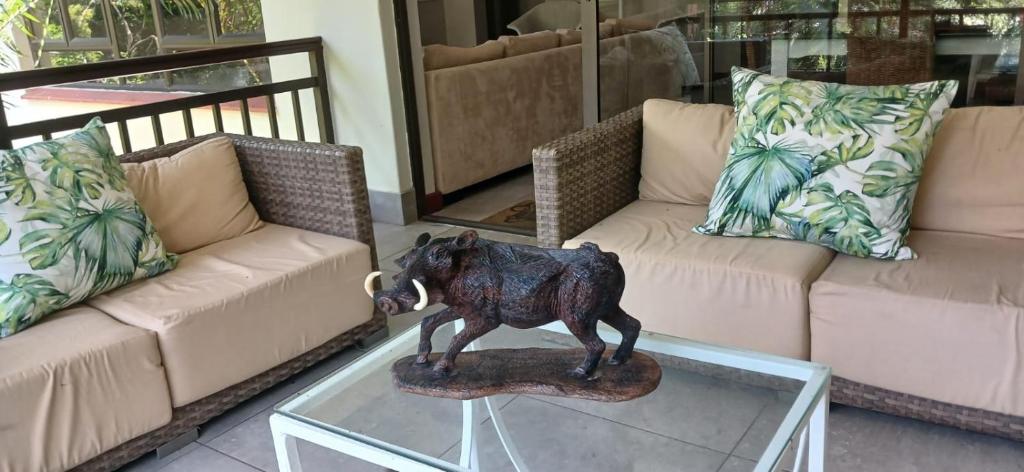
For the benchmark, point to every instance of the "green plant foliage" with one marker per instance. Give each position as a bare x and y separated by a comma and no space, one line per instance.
836,165
81,231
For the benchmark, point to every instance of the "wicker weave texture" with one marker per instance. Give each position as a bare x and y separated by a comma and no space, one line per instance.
877,61
312,186
878,399
582,178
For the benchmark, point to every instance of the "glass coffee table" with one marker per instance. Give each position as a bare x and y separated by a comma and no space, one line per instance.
715,409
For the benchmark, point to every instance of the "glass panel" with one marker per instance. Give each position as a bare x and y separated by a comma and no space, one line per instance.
696,407
134,27
976,42
50,26
184,17
239,16
87,19
68,58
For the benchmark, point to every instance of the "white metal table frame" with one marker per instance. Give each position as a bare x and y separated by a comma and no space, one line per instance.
806,422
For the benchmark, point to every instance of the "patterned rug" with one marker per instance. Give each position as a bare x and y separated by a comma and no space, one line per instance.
520,215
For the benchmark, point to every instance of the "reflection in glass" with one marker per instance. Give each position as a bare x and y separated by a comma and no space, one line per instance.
184,17
86,19
239,16
870,42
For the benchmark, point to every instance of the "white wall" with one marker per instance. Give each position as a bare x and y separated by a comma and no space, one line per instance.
365,84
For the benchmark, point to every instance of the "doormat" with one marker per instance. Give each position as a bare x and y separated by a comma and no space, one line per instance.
520,215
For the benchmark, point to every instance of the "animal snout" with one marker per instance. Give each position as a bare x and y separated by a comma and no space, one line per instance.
388,305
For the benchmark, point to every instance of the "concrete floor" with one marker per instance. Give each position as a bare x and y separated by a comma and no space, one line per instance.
858,440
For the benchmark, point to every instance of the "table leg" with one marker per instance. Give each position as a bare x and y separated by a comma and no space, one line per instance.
818,429
285,448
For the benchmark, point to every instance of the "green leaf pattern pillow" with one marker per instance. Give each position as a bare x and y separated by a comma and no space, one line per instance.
71,228
832,164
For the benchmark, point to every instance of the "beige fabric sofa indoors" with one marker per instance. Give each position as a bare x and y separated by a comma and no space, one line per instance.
490,105
940,338
99,384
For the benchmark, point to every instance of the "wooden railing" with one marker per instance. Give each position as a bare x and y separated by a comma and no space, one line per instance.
316,82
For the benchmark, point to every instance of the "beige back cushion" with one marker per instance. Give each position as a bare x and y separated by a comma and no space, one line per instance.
527,43
440,56
684,150
195,197
973,178
568,37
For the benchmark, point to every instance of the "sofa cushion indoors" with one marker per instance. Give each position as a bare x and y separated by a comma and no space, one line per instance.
75,385
71,227
195,197
741,292
948,326
831,164
440,56
527,43
684,149
238,307
972,177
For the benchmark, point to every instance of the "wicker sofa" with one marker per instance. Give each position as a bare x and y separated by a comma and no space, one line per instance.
102,383
938,338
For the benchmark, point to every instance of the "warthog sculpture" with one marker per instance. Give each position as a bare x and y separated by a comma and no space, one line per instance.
489,283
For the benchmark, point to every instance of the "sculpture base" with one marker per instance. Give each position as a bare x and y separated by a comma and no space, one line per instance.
533,371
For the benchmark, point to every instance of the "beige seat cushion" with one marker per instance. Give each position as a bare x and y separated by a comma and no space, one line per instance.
195,197
743,292
684,150
527,43
972,176
236,308
440,56
75,385
948,326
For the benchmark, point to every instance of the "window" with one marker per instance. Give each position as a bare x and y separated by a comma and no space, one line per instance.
67,32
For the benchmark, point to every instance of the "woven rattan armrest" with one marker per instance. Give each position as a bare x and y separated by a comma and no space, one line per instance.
312,186
582,178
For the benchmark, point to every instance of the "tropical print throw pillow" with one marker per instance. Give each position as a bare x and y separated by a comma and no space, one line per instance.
71,228
832,164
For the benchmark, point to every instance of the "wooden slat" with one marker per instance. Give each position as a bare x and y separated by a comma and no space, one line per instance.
190,129
149,109
275,132
218,118
246,118
158,129
126,140
321,95
300,130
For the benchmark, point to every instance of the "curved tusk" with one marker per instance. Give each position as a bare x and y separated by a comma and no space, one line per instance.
368,283
423,295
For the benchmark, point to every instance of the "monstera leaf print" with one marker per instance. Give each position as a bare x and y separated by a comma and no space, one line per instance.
781,104
26,299
848,110
843,154
756,178
80,230
836,165
845,216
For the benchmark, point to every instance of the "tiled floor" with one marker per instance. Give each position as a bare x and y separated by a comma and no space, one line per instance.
485,203
858,440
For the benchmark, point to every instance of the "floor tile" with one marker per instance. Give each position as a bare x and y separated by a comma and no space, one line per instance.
150,462
204,459
489,201
862,440
696,409
393,238
553,438
756,439
737,464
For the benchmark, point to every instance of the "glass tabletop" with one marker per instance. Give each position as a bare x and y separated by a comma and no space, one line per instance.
715,407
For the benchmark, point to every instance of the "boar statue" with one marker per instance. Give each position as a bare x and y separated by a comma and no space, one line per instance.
489,283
